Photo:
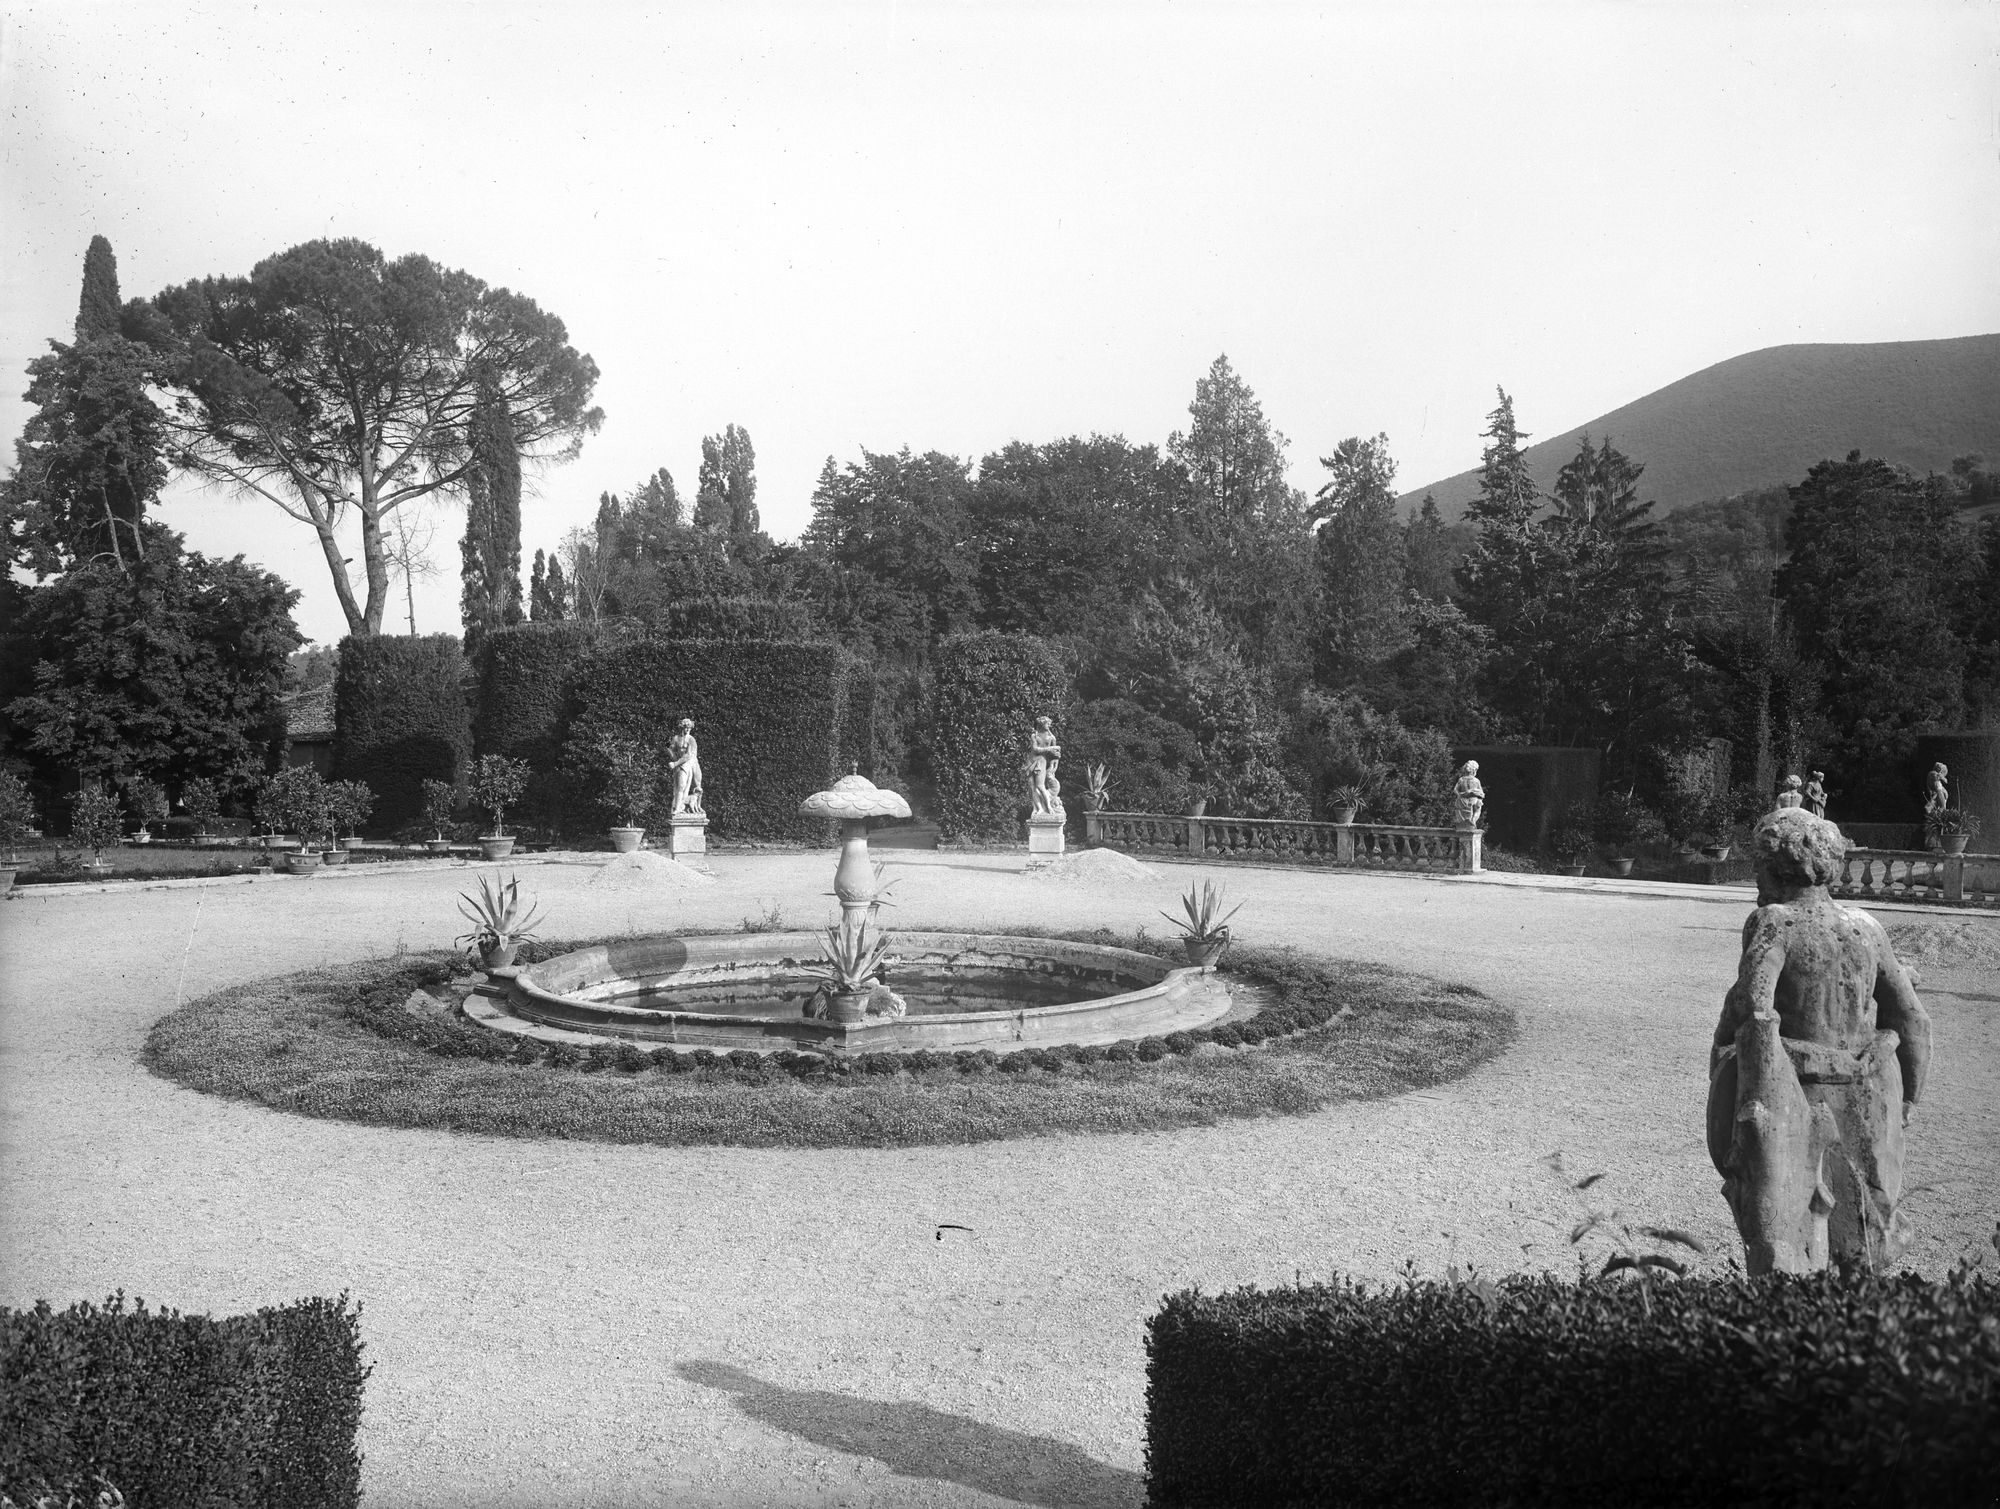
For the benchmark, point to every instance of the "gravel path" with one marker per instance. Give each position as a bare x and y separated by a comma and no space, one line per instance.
571,1324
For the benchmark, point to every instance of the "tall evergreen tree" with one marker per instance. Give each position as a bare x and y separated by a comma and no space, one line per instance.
1431,549
726,490
491,551
1360,553
97,310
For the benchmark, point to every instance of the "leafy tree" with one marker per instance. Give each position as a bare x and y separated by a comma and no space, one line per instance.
1404,773
726,496
92,454
333,380
1361,552
491,550
169,668
1880,576
548,593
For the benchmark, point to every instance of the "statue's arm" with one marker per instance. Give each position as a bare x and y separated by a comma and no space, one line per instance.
1757,973
1898,1009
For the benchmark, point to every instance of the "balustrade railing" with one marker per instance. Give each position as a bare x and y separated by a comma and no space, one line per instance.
1376,846
1919,875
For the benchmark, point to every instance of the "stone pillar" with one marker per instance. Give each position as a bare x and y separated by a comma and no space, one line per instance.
1468,850
1343,843
1093,829
687,833
1045,838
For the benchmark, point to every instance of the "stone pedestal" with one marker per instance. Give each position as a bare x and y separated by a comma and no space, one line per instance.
687,833
1045,837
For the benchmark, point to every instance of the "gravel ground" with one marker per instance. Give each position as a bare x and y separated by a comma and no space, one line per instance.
577,1324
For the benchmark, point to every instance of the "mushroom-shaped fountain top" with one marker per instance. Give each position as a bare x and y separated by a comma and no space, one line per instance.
852,798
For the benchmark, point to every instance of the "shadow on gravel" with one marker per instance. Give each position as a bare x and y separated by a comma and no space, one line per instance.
917,1441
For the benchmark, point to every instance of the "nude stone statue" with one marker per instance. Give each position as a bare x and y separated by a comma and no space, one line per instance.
1789,794
1468,797
1044,790
1936,797
684,760
1816,794
1818,1059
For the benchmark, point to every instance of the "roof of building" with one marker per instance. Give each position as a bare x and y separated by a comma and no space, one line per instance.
309,714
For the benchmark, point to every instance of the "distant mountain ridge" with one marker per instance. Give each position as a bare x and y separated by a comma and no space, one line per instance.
1768,416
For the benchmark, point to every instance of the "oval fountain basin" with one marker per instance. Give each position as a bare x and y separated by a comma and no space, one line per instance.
962,991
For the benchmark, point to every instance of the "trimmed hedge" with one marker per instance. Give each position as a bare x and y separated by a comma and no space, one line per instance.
1784,1390
987,691
400,718
732,618
857,728
250,1410
524,672
768,719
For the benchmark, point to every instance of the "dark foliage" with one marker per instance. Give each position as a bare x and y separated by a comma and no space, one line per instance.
1775,1391
524,675
258,1411
400,718
490,554
988,691
1149,760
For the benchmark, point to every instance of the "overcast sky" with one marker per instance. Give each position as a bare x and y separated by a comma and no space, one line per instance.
950,226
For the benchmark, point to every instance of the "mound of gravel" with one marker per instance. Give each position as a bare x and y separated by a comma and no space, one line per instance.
1947,944
644,870
1092,867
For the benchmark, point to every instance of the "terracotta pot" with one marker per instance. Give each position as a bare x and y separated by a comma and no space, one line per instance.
627,840
1957,842
333,856
498,846
1198,807
1203,952
303,862
143,836
498,955
847,1006
1622,866
1574,867
1716,852
7,874
438,845
352,842
1344,815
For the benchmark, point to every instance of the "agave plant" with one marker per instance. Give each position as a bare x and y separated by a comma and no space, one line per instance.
1097,788
852,961
1346,799
500,919
1206,922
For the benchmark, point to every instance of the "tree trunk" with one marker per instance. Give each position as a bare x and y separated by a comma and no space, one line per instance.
375,561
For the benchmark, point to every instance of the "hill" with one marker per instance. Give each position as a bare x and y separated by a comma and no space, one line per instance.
1767,416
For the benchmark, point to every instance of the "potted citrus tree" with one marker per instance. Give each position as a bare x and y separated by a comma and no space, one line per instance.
1571,846
202,800
96,823
17,825
497,783
1205,928
149,806
630,774
294,800
351,801
440,803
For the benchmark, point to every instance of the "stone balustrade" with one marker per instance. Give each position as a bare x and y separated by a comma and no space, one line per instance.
1920,875
1367,846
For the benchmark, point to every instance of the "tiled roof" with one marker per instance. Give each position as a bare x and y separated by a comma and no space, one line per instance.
309,714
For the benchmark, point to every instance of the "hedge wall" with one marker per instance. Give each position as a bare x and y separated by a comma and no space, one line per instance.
857,727
732,618
400,717
182,1409
987,691
1775,1391
524,687
768,718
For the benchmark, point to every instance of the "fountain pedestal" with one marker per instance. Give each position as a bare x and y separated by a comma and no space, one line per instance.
687,833
1045,838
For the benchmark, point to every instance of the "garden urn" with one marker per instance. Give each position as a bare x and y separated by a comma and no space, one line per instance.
627,840
497,846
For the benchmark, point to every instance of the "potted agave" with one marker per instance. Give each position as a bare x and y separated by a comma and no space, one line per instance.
500,922
1096,790
440,802
1205,930
630,775
96,823
1345,802
17,823
849,971
1950,830
497,783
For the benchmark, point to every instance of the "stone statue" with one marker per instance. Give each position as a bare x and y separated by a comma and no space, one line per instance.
684,760
1044,753
1818,1058
1468,797
1936,798
1816,794
1789,794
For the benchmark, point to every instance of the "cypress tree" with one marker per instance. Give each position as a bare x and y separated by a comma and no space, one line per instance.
97,310
491,551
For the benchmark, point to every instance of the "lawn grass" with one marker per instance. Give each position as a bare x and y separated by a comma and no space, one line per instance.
292,1043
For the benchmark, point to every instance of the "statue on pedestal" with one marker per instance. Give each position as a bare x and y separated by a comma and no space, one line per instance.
1789,794
684,760
1044,753
1936,797
1818,1059
1816,794
1468,797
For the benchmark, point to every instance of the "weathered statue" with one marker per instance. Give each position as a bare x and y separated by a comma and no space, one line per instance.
1816,794
1468,797
684,760
1817,1061
1936,797
1789,794
1044,753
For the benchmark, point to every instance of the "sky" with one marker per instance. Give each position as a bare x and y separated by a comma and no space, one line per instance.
948,226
